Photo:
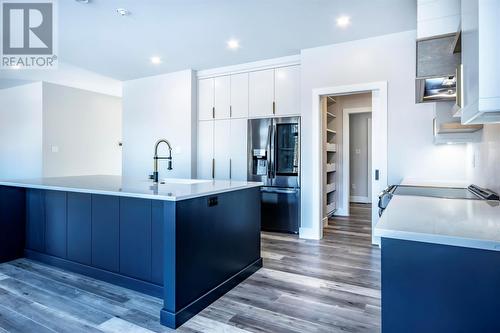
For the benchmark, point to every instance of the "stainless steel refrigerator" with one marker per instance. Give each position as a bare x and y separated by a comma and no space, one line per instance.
274,159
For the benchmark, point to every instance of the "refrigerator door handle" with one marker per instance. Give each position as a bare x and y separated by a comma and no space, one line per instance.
273,152
279,190
268,151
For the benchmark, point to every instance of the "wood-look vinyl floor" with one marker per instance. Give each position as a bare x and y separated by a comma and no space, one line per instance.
332,285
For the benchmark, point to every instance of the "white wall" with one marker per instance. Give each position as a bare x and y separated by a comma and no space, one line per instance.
81,132
159,107
21,132
68,75
484,159
390,58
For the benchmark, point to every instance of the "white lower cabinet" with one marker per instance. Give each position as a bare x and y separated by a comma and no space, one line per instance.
222,149
205,149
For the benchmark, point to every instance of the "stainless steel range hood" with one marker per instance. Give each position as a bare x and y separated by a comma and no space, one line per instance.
437,61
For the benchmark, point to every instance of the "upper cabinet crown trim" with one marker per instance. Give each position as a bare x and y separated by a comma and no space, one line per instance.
250,66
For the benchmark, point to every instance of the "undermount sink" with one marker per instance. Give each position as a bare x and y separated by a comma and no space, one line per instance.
184,181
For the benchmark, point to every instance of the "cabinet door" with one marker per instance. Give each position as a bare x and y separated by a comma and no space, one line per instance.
222,148
135,238
55,223
206,99
35,220
239,95
80,227
106,232
261,93
205,149
238,149
222,97
287,90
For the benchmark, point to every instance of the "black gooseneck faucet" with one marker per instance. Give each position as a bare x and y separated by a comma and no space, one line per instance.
156,158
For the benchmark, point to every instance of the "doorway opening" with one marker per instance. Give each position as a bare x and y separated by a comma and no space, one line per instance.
347,152
360,104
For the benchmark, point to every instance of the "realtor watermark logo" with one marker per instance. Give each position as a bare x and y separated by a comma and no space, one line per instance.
29,34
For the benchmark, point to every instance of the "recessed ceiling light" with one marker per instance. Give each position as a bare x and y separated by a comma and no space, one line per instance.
122,11
343,21
233,44
82,1
156,60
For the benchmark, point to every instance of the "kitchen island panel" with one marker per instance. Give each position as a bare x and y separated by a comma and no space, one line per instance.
35,219
55,223
157,220
105,232
219,236
135,238
80,227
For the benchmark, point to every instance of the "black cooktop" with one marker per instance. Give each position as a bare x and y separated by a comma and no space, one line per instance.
472,192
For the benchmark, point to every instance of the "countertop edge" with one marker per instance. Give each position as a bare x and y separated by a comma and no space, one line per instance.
127,194
480,244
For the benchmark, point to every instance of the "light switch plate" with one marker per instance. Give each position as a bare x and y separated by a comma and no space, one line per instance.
54,149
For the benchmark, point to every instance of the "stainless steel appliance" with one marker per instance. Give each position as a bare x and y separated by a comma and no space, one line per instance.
274,159
473,192
437,60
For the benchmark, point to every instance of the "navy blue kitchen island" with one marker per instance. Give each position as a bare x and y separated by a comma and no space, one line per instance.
188,243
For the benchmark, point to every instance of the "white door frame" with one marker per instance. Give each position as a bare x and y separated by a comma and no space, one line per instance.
379,146
346,159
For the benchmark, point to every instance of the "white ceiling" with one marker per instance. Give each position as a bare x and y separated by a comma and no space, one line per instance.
193,33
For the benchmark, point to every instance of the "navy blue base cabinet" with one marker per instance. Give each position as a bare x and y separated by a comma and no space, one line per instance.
187,252
439,288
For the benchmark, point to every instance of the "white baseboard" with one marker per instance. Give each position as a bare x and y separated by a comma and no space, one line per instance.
308,233
359,199
341,212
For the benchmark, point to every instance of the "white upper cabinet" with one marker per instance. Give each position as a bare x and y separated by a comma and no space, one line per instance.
238,149
480,61
222,104
239,95
206,100
205,149
261,93
437,17
287,91
222,151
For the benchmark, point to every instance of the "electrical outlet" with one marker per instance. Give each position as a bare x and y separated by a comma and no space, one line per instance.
54,149
353,186
358,151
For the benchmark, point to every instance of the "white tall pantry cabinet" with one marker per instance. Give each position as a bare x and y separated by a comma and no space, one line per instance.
226,102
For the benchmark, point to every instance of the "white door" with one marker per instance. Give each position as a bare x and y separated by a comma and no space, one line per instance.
205,148
239,95
205,99
238,149
261,93
222,102
222,131
287,91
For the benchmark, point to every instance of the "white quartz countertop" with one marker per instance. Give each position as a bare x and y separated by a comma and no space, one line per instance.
458,222
171,190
